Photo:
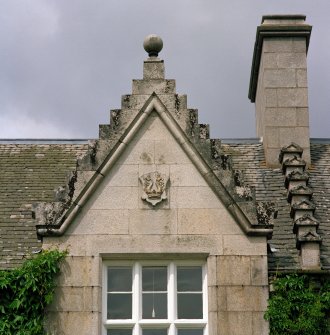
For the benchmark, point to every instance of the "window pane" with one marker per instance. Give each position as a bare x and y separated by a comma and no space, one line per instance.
190,331
190,306
119,306
154,278
154,306
120,279
154,332
189,278
119,332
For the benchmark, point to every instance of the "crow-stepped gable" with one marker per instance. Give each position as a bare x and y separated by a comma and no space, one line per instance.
168,231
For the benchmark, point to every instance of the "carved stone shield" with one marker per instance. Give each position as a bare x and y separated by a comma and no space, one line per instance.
154,187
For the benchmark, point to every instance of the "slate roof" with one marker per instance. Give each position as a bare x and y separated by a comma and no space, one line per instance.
29,174
269,186
320,181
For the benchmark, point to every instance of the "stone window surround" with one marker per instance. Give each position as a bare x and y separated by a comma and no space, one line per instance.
171,322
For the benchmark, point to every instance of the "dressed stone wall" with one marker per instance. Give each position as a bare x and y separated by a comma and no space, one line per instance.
192,222
279,84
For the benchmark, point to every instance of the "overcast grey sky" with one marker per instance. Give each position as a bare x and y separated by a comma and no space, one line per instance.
65,63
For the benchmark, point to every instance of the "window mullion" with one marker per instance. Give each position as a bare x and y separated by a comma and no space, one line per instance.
105,296
205,297
172,298
136,297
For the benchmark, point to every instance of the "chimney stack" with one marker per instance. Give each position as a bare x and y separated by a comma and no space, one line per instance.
278,84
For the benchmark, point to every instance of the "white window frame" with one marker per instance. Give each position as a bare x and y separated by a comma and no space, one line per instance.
172,323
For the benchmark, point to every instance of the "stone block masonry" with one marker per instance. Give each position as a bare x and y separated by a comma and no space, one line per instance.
278,84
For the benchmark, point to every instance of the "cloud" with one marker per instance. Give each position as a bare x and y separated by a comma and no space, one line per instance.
15,126
66,63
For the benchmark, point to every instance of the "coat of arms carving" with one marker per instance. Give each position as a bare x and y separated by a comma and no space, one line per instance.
154,187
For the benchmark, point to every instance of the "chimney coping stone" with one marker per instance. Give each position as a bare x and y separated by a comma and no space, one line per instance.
291,26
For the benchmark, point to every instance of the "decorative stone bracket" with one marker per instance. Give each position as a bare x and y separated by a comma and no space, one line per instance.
154,187
302,208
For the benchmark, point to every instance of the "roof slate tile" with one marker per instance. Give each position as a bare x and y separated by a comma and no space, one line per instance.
269,186
29,174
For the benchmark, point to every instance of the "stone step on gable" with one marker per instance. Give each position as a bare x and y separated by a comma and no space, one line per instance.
242,197
299,196
154,91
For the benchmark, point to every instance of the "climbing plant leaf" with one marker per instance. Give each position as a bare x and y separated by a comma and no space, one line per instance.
299,304
26,291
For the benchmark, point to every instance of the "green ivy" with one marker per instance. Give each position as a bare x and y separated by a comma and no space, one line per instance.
26,291
299,305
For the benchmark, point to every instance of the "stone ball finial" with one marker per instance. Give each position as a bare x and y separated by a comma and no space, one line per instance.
153,44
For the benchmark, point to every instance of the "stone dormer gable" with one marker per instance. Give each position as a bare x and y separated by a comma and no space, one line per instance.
290,151
306,220
152,112
295,177
303,206
299,195
300,190
309,236
293,163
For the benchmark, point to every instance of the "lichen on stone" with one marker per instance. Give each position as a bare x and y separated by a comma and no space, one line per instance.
238,178
115,116
203,131
244,192
192,121
225,162
266,212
